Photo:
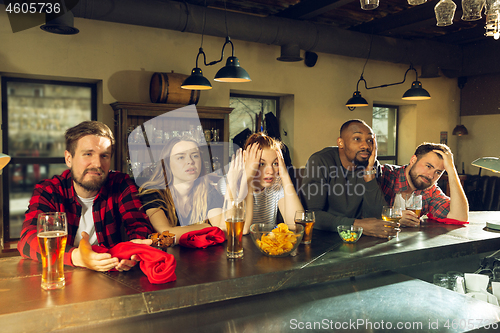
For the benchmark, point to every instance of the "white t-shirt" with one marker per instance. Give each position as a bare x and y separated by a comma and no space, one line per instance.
86,221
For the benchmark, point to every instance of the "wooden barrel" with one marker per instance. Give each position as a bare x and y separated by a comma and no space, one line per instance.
166,88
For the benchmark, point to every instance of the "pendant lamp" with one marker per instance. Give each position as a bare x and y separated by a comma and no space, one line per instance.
415,93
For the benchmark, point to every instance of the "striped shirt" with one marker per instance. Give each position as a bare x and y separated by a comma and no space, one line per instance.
265,203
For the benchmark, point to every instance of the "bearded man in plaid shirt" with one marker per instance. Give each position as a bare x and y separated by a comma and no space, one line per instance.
97,202
419,177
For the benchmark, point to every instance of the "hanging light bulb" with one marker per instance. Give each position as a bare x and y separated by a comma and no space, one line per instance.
196,81
492,11
493,25
445,11
369,4
416,2
460,130
415,93
232,72
356,101
471,9
491,6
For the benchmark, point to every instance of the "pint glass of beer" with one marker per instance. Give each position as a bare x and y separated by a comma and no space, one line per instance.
234,215
306,218
52,233
392,214
414,203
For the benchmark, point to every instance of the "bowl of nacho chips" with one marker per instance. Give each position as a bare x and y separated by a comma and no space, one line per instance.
276,240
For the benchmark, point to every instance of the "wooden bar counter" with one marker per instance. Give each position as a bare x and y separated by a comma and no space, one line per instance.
207,280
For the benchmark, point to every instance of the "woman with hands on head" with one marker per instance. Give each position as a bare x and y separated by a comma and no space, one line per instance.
267,180
179,197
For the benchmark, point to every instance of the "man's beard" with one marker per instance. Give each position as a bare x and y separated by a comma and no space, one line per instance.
91,185
361,163
419,185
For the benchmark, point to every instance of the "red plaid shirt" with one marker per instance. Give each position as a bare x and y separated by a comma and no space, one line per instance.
393,180
115,205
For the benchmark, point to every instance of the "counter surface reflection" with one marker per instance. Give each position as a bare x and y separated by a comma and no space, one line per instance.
207,276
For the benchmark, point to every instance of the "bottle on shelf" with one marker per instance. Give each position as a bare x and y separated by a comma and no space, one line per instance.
217,166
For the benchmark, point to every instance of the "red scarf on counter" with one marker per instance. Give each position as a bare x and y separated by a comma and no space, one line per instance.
203,238
158,266
445,220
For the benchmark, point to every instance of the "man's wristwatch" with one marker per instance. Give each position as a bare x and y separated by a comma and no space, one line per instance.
370,172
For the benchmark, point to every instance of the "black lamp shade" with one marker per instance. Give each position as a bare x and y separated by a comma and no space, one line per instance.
416,92
356,100
196,81
232,72
460,130
289,53
61,25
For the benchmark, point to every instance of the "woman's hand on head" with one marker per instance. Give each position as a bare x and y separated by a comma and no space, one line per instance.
236,182
252,156
281,163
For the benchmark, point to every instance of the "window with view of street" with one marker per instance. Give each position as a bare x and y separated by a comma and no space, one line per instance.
384,124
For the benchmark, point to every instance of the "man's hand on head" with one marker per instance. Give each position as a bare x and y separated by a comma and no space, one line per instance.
449,165
371,162
373,156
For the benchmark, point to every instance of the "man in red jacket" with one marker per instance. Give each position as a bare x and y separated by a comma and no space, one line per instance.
97,202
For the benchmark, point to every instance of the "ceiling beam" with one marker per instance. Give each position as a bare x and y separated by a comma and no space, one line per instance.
307,9
410,27
413,15
464,36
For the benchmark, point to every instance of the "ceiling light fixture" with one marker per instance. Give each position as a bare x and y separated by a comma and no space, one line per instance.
369,4
445,11
492,25
415,93
471,9
492,11
62,23
416,2
232,72
460,130
290,52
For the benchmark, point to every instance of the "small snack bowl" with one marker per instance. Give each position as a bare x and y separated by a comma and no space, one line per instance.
349,233
276,241
163,240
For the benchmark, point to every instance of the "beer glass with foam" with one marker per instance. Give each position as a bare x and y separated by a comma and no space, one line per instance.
234,215
414,203
52,233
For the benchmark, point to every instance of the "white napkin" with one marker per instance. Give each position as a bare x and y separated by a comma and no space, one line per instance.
476,282
460,285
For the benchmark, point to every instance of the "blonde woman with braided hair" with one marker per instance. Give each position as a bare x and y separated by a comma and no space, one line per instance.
178,197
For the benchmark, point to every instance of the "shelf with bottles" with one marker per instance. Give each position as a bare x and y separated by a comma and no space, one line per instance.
132,118
157,137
